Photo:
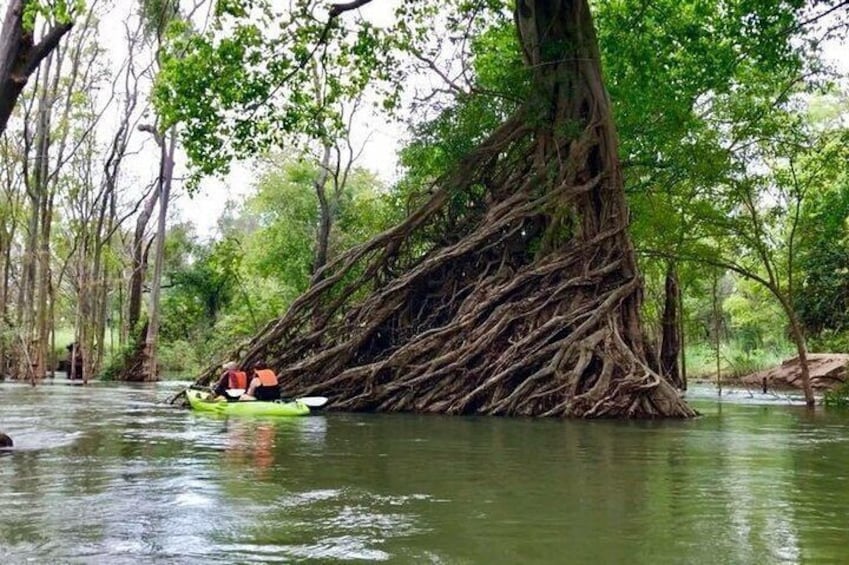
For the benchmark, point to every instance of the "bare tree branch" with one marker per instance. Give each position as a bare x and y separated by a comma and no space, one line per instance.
337,9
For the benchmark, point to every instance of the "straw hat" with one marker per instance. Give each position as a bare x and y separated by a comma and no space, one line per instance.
229,365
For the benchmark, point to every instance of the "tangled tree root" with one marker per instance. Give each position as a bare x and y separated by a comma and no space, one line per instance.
477,322
512,289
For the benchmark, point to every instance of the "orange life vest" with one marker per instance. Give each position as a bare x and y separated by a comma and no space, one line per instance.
238,379
266,377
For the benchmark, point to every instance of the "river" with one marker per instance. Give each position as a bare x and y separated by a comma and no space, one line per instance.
109,474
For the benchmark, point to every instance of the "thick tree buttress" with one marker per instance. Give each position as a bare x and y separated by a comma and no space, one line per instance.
521,300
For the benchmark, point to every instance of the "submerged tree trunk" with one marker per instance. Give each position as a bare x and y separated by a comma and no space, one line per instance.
521,300
670,346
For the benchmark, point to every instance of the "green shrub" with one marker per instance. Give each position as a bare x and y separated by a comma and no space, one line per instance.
176,359
736,359
830,341
115,363
837,398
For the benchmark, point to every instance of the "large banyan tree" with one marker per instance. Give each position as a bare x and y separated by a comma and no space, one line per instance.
523,299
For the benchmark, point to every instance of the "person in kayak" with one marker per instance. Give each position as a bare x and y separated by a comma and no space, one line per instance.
263,385
230,379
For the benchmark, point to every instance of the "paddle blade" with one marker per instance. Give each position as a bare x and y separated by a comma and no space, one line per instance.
313,401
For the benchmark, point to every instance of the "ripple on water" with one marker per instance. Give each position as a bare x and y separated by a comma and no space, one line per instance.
104,474
342,548
33,439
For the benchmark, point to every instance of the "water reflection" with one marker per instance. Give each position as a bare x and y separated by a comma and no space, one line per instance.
109,474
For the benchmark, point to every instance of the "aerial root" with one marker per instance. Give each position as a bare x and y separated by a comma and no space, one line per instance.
480,318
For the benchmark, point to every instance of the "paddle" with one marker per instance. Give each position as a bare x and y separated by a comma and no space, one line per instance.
313,401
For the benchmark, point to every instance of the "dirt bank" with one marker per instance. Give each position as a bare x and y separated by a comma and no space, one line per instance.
828,370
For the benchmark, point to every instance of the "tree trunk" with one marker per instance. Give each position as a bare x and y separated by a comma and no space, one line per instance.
169,145
521,299
717,324
5,257
683,337
670,346
325,211
42,303
798,335
36,188
20,56
139,264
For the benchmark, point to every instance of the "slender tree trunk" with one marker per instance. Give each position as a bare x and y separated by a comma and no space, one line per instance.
122,337
683,337
51,297
37,194
325,210
78,334
717,322
139,262
670,346
42,304
798,334
5,247
169,145
6,342
9,218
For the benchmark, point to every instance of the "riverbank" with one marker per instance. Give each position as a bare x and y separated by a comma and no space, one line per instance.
827,372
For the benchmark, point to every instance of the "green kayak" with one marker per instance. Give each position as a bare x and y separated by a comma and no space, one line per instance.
198,401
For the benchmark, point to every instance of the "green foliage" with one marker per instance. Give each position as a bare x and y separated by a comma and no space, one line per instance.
439,144
222,292
117,361
735,360
260,299
198,294
364,210
284,213
260,77
58,11
830,341
697,89
227,88
755,317
823,261
156,15
837,398
180,359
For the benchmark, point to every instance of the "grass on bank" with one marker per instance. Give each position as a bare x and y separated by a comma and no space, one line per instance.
734,360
